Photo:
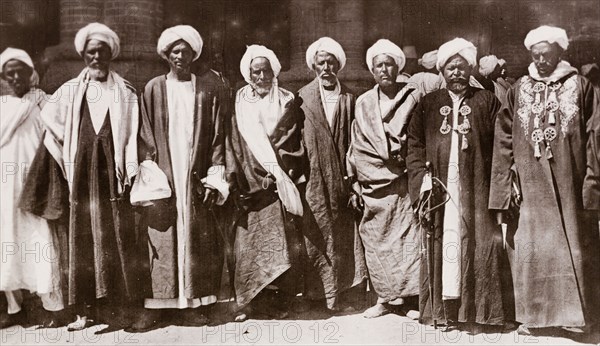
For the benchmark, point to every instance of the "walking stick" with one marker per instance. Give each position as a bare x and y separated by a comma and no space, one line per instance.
426,221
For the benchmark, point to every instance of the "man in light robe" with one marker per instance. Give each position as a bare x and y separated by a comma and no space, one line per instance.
264,164
549,132
388,230
453,129
335,254
430,79
182,132
91,125
22,232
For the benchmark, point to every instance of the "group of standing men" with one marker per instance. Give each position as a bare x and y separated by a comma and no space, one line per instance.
327,189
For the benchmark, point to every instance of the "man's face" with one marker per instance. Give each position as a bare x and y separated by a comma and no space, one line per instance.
545,57
17,74
326,66
385,70
180,56
261,75
97,57
457,72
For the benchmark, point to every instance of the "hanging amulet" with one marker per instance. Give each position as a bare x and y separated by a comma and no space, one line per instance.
445,128
539,87
465,142
550,134
465,110
537,108
445,111
537,136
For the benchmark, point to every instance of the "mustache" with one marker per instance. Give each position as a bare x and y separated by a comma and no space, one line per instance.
329,73
458,79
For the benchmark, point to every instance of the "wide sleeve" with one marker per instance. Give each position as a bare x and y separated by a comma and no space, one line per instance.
350,158
591,182
502,159
287,141
215,176
416,155
146,142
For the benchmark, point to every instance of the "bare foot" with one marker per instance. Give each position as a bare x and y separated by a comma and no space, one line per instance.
80,323
376,310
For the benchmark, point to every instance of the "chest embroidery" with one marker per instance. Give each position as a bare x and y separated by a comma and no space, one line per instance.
546,103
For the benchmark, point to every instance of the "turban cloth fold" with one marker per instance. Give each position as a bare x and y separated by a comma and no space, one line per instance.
257,51
545,33
458,46
176,33
389,48
429,59
22,56
325,44
487,64
100,32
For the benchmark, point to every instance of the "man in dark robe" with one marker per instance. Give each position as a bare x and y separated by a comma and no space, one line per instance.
378,151
453,129
549,133
181,131
264,163
91,129
335,254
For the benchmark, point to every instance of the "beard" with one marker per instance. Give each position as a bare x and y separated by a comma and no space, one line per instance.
262,88
99,74
328,81
458,85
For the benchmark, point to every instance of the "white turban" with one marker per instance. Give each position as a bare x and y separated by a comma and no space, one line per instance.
586,69
487,65
176,33
100,32
429,59
325,44
22,56
386,47
458,46
550,34
256,51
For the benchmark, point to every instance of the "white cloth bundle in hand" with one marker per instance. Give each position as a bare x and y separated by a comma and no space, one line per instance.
151,184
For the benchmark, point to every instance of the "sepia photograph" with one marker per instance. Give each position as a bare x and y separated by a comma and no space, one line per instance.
300,172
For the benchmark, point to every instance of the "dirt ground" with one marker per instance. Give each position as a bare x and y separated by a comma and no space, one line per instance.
312,327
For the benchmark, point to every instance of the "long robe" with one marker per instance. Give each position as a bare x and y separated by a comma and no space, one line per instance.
335,255
198,245
29,252
554,251
97,169
387,228
483,291
267,239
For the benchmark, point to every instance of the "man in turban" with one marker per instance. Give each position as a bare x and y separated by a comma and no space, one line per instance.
549,133
453,130
335,256
264,164
489,68
430,79
181,132
377,155
91,133
21,231
592,72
